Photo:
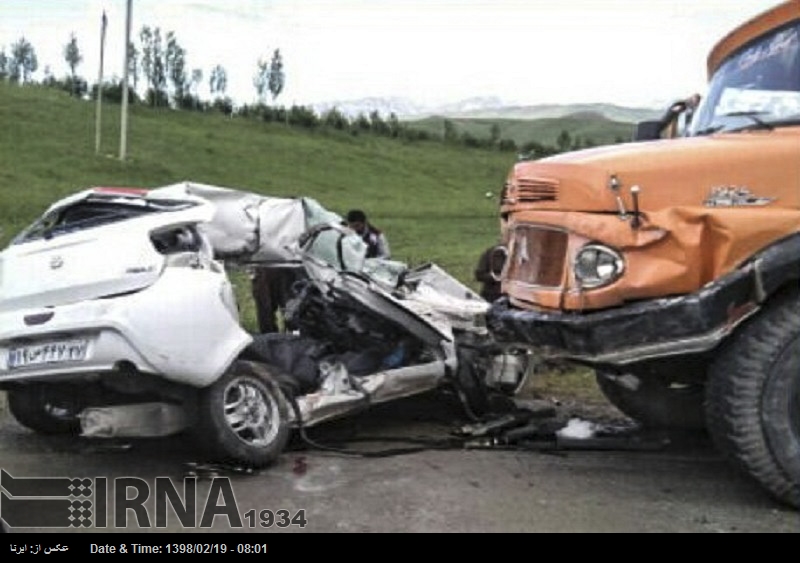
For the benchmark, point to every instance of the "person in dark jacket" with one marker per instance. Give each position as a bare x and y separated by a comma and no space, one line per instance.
272,289
490,264
377,245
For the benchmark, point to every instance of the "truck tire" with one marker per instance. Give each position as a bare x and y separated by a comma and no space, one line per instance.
656,402
45,409
243,417
753,399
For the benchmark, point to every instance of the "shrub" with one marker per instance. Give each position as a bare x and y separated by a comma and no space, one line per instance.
335,119
303,117
223,105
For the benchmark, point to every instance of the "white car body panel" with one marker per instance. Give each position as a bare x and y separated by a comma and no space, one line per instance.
188,337
107,285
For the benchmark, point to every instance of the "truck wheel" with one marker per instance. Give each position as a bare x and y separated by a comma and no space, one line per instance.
753,402
46,409
657,403
244,415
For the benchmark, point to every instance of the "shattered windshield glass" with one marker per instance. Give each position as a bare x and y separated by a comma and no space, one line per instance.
757,87
92,213
339,248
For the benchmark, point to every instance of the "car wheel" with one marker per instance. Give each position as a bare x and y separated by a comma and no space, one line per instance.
47,409
753,402
244,415
655,402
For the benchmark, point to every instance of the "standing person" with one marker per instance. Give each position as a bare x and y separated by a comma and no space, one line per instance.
377,245
272,288
490,264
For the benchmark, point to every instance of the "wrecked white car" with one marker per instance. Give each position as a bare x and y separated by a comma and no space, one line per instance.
117,318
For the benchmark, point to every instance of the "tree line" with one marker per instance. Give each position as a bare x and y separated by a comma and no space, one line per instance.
159,61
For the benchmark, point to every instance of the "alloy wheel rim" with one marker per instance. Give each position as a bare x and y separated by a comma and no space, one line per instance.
251,412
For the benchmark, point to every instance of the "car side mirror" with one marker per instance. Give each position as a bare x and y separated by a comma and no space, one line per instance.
648,130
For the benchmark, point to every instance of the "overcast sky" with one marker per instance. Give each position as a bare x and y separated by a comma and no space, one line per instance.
630,52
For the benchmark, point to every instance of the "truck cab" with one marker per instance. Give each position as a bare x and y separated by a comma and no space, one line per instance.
671,264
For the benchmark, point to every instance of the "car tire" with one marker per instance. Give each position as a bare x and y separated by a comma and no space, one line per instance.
655,402
46,409
243,417
753,399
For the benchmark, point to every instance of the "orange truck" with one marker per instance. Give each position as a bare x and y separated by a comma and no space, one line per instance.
671,265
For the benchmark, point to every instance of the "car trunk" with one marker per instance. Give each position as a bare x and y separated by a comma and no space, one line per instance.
100,262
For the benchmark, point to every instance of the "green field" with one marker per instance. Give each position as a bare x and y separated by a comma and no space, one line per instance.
428,197
598,129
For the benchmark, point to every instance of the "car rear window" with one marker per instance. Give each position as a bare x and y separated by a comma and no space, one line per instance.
94,212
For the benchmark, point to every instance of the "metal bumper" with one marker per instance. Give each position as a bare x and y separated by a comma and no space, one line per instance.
637,332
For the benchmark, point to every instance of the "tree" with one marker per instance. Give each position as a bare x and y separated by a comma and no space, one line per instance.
261,79
534,149
197,78
154,65
394,125
133,65
191,98
335,119
218,82
362,123
379,126
4,63
23,61
277,78
175,64
112,92
564,141
146,38
72,55
450,133
507,145
48,79
494,133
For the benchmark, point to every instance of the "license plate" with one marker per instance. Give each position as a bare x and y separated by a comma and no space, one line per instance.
50,353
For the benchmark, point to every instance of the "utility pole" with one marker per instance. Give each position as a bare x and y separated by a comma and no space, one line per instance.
99,118
123,130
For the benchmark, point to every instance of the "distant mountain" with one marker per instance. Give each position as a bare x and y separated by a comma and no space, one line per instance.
401,107
484,108
548,111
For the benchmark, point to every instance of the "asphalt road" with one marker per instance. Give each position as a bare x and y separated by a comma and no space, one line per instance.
684,487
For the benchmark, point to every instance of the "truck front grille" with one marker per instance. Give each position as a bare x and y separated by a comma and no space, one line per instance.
533,189
537,256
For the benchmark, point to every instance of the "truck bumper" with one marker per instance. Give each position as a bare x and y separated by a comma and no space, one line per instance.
640,331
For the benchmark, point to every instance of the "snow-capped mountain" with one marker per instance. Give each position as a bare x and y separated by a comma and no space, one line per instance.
482,107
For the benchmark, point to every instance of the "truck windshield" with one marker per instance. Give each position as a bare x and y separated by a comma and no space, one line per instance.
757,87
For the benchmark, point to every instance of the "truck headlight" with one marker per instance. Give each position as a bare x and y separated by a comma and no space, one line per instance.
596,265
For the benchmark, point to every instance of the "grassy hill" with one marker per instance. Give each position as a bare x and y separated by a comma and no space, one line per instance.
586,125
428,197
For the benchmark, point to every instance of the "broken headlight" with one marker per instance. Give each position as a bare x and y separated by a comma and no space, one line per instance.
596,265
